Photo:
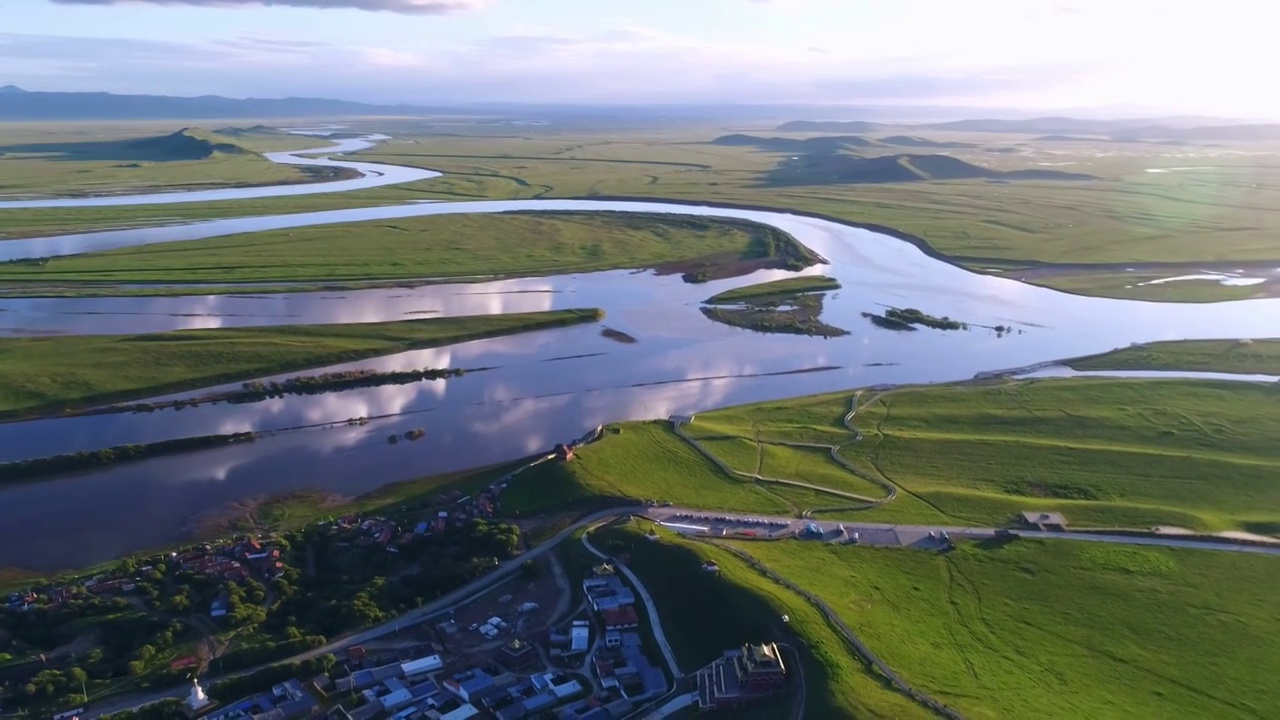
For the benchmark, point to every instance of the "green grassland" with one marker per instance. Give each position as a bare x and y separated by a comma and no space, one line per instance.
435,246
1105,452
1126,453
786,287
1056,629
1226,212
72,160
52,374
703,615
1261,357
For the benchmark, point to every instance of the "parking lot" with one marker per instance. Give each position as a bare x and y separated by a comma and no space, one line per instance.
728,525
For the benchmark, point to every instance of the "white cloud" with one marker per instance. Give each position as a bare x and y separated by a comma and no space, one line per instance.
407,7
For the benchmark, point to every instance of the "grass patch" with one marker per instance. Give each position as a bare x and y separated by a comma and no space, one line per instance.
705,614
442,246
1104,452
1260,357
49,374
1058,629
784,287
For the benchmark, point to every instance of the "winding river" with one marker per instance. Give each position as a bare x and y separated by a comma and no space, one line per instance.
544,387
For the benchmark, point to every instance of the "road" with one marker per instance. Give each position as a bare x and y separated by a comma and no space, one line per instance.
436,607
917,536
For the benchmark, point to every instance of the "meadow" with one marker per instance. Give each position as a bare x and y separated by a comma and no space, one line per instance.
1261,357
1055,629
46,375
73,159
1223,210
504,244
705,614
1105,452
784,288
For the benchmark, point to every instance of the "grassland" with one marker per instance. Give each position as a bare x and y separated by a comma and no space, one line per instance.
1105,452
785,287
438,246
72,160
1056,629
703,615
53,374
1261,357
1224,210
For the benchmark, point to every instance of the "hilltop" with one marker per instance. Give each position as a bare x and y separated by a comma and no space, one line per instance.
917,141
834,143
22,104
187,144
232,131
826,169
852,126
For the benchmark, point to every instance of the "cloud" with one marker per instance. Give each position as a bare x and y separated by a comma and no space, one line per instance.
406,7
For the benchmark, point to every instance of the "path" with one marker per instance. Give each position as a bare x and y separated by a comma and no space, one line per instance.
650,608
865,503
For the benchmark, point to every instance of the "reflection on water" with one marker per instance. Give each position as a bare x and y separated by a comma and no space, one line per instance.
681,363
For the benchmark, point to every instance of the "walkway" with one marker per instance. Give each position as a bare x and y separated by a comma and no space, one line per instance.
650,608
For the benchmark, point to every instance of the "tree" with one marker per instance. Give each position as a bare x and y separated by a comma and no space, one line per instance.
146,652
136,668
77,676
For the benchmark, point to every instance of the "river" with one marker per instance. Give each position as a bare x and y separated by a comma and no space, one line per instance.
543,387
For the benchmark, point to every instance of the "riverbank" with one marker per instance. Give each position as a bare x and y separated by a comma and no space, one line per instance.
1246,357
49,375
460,246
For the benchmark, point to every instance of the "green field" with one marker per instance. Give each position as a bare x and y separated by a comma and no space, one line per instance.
54,374
60,159
1105,452
1054,629
787,287
703,615
1226,212
436,246
1261,357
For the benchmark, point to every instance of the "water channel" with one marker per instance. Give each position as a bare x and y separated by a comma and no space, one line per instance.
542,387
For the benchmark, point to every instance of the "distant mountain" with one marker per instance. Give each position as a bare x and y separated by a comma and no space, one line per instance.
914,141
851,126
848,169
19,104
1240,133
825,144
253,130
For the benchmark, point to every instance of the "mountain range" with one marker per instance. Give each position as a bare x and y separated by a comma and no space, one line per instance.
1184,129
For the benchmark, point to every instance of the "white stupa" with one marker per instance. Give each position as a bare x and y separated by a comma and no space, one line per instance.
197,699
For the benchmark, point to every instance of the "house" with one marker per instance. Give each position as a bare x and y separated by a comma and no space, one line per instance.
710,567
219,607
563,452
606,590
518,655
620,618
558,684
627,670
469,683
1046,521
421,666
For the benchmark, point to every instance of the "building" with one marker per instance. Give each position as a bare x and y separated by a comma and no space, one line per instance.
741,676
564,453
470,683
518,655
1047,521
620,618
606,590
627,670
421,666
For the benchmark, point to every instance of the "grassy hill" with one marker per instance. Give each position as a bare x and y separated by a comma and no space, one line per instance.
1057,629
1260,357
921,142
186,144
851,126
827,169
830,144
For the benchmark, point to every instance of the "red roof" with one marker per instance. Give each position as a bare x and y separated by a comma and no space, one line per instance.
624,616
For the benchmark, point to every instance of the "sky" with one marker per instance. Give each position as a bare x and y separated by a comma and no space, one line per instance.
1191,56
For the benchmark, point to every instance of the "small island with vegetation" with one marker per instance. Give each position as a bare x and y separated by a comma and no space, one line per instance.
791,305
907,319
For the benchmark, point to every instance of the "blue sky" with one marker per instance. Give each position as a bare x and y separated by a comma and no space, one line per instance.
1189,56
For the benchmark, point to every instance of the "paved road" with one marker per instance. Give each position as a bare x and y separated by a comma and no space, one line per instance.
650,608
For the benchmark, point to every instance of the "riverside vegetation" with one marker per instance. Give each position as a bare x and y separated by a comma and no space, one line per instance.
46,375
792,305
442,246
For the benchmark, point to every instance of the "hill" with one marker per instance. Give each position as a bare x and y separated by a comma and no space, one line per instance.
187,144
252,130
1240,133
851,126
916,141
828,144
21,104
826,169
